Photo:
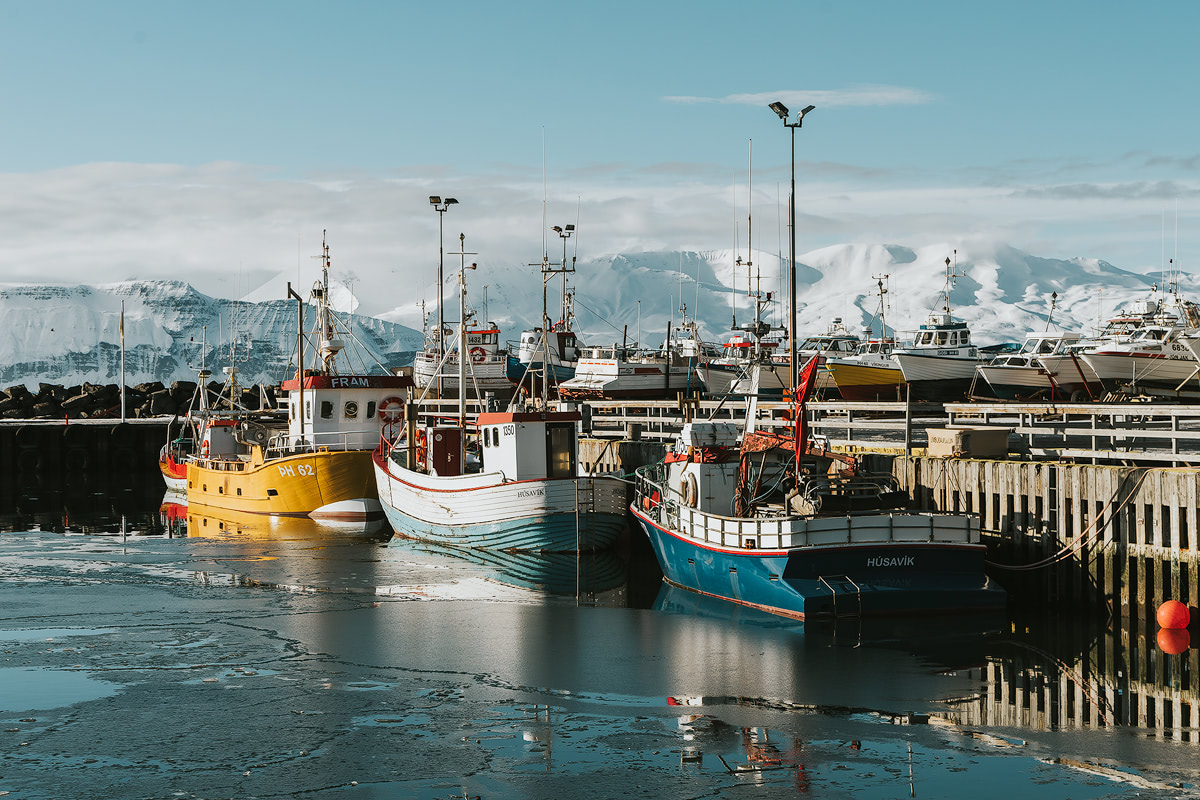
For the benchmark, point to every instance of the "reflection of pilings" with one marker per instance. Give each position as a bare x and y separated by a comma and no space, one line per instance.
1112,685
1097,533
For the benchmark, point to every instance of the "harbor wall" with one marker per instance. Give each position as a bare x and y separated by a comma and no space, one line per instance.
1115,539
41,463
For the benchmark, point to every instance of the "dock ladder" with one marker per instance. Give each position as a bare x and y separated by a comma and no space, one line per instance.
842,585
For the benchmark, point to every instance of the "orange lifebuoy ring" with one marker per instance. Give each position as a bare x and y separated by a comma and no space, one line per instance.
478,354
391,409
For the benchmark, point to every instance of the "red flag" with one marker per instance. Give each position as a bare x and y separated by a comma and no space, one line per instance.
808,380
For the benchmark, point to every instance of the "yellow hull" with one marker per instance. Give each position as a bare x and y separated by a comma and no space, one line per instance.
217,523
288,486
867,383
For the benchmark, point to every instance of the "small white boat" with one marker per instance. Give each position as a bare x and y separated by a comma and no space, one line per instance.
519,490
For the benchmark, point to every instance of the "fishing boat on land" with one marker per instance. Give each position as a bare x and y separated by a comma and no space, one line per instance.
1023,375
870,374
940,364
1160,356
755,519
509,482
486,365
320,465
620,373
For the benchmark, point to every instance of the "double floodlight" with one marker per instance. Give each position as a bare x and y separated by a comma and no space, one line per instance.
559,231
435,200
782,110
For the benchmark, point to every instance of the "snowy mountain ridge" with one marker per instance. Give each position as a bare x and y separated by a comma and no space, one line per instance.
72,334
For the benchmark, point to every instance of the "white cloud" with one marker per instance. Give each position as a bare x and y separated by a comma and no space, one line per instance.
229,228
823,98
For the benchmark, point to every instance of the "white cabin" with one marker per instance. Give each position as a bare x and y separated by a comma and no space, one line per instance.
530,445
344,412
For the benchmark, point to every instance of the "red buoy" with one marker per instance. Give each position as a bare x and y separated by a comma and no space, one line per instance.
1173,641
1173,614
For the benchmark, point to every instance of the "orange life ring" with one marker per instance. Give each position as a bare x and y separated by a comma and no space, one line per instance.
391,409
478,354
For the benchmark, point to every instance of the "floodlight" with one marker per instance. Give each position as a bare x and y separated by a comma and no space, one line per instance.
780,109
434,199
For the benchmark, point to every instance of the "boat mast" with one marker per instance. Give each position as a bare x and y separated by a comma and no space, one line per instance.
462,328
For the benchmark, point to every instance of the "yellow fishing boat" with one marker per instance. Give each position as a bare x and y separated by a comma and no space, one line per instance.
320,465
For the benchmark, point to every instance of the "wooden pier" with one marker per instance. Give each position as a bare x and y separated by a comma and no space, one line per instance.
1090,505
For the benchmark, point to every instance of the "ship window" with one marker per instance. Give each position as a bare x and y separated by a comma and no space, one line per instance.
308,409
925,338
272,492
487,437
326,409
239,490
941,337
964,336
370,409
560,450
350,409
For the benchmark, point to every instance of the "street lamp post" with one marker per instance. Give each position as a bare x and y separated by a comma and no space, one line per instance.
782,111
440,206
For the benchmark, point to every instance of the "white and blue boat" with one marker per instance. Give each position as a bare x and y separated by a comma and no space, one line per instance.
727,517
515,485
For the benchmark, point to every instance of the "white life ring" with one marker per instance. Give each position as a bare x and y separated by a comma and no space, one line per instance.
478,354
391,409
689,491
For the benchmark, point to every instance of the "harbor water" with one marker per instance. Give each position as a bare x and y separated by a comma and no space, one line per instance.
155,651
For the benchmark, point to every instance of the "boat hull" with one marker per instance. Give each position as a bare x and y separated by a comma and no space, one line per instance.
876,578
334,485
483,510
1146,370
558,373
862,383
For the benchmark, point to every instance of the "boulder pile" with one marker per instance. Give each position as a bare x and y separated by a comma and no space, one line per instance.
95,401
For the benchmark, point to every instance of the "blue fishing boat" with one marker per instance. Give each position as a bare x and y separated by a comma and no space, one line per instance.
798,531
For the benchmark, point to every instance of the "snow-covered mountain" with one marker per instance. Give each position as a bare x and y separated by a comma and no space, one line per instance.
1005,293
71,334
68,335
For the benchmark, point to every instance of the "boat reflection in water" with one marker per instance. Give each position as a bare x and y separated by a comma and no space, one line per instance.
950,642
573,574
183,519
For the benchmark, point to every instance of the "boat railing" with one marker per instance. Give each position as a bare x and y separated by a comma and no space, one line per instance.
773,529
288,444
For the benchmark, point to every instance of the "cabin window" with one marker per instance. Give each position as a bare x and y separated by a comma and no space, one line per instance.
487,437
941,337
964,337
925,338
560,450
370,409
308,409
326,409
350,409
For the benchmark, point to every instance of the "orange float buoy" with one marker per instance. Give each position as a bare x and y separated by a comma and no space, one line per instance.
1173,641
1173,614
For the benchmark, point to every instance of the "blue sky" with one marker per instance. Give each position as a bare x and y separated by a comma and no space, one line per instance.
153,139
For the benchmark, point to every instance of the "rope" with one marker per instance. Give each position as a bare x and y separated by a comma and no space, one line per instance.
1079,540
